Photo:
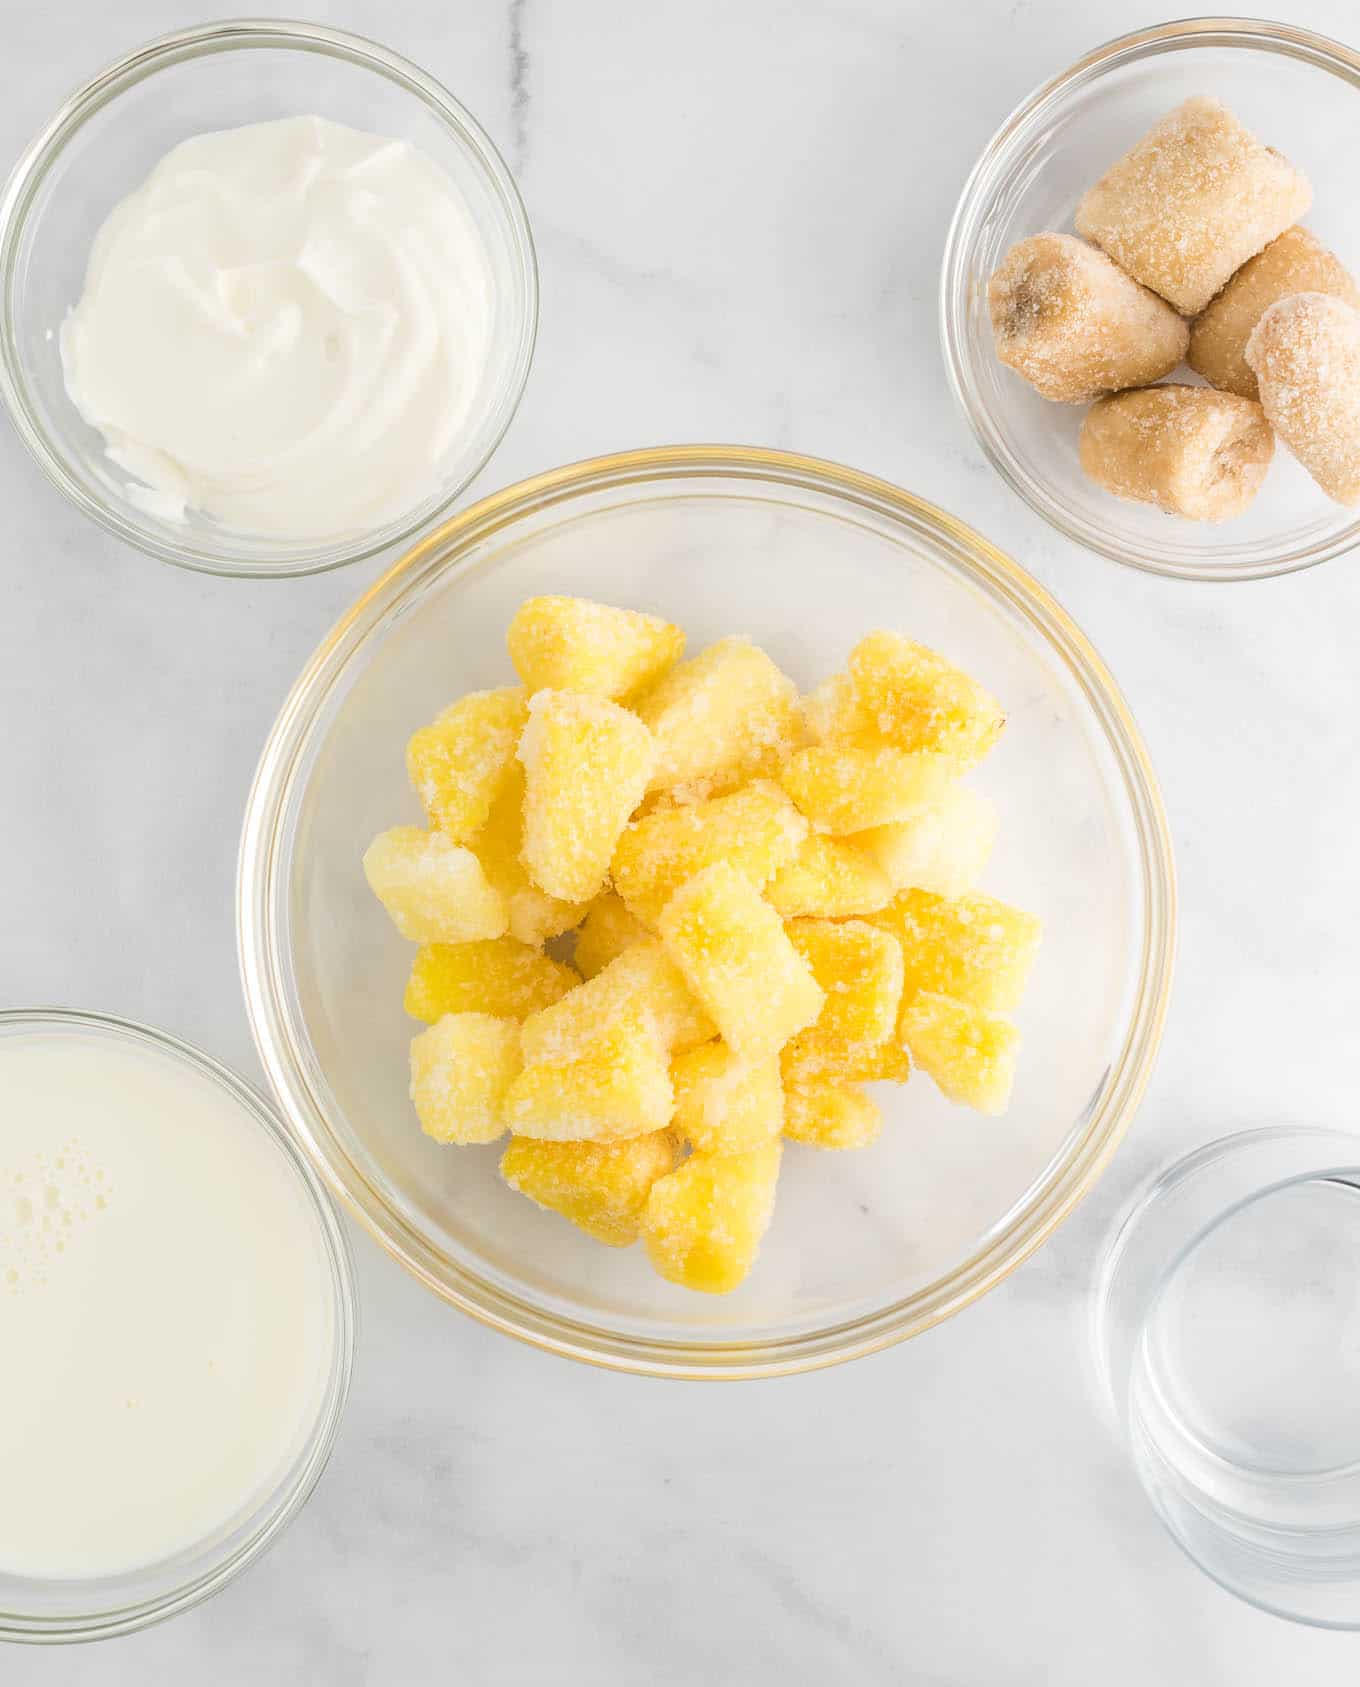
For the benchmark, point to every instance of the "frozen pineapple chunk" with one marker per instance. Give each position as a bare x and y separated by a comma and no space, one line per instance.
434,889
723,1104
461,1069
829,1115
849,789
498,975
859,968
969,1053
534,916
572,644
756,829
607,930
601,1187
616,1084
721,716
586,765
973,948
703,1223
459,763
829,878
802,1067
732,949
642,979
943,848
908,696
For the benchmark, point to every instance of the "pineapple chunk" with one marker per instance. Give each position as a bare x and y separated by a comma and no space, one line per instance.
615,1085
969,1053
829,878
973,948
498,976
756,829
805,1068
642,979
943,849
459,763
434,889
534,916
586,763
826,1115
829,715
601,1187
911,698
572,644
461,1070
704,1221
849,789
725,1105
721,716
735,956
607,930
860,970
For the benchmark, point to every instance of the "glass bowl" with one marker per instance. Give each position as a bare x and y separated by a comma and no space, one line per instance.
805,556
1294,89
99,1608
103,143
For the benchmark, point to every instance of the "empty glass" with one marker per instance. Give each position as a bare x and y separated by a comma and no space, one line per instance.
1227,1335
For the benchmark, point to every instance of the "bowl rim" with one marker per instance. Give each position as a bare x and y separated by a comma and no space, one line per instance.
1261,34
262,944
277,1511
42,153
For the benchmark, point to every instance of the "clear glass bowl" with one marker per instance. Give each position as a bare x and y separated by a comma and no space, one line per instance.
1296,90
103,143
806,557
99,1608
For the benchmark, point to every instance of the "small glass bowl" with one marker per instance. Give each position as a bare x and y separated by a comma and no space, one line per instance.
1294,89
102,1607
806,557
105,140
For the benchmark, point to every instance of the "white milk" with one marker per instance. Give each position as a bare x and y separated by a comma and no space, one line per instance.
166,1312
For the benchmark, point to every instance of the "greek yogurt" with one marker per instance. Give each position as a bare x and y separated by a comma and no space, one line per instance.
284,328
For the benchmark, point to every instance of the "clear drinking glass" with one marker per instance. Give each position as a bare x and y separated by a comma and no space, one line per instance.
1226,1326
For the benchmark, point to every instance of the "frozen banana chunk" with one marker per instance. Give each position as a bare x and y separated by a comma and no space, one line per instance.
1305,352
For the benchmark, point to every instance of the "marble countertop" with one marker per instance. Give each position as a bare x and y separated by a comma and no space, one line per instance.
739,211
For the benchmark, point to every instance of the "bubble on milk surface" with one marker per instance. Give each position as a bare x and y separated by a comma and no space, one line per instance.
44,1206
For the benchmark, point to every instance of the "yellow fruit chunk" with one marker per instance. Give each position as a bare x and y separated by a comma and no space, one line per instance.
601,1187
498,975
461,1070
972,947
969,1053
725,1105
722,715
534,916
607,930
586,764
643,979
756,829
703,1223
860,970
863,1063
616,1084
459,763
572,644
735,956
434,889
826,1115
829,878
943,848
848,789
908,696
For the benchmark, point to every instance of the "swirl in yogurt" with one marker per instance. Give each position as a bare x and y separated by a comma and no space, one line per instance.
284,328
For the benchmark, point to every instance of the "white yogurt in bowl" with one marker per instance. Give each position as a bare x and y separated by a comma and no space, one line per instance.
284,328
175,1323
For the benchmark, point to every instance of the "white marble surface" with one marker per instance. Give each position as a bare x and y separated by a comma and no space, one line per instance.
739,211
